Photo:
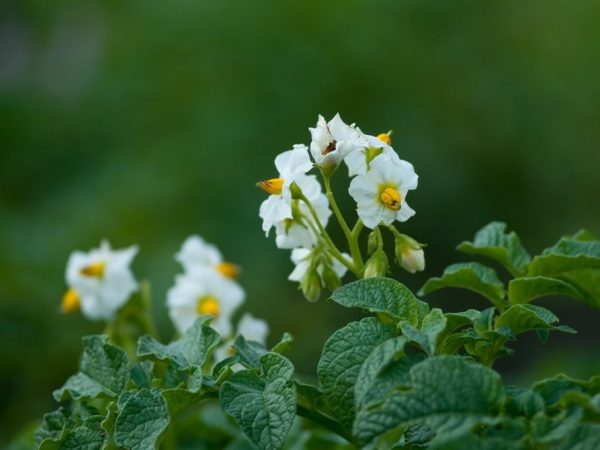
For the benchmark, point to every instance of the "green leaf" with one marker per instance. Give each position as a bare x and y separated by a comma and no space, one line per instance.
521,318
343,354
448,394
141,420
432,327
553,389
386,368
472,276
382,295
104,371
263,402
248,352
494,243
53,426
527,289
566,255
192,349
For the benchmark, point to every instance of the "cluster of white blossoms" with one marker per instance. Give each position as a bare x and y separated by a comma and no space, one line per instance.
299,210
100,283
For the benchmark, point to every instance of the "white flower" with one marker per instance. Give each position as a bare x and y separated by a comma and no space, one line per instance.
358,160
204,293
197,255
100,281
251,328
301,257
334,140
380,194
292,166
295,232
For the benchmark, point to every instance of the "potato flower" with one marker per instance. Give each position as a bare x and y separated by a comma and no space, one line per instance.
198,255
333,141
204,293
380,194
292,166
100,281
359,160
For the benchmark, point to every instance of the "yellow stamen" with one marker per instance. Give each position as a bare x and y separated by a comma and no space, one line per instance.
391,198
385,138
228,270
70,302
273,186
208,306
94,270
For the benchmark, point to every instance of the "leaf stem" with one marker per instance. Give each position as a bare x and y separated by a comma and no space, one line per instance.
324,421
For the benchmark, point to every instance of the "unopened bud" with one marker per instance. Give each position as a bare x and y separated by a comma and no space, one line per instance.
377,265
311,285
372,242
330,277
409,254
296,191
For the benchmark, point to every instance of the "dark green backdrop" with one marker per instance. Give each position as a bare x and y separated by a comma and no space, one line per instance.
144,122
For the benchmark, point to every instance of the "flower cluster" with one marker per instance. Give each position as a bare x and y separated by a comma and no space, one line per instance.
100,283
299,209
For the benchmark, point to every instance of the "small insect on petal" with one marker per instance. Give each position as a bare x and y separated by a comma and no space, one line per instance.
391,198
70,302
274,186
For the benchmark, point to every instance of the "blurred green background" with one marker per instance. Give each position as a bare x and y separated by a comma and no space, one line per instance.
144,122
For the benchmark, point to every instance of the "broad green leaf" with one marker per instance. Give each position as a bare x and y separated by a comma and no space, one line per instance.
494,243
527,289
382,295
566,255
386,368
553,389
448,394
192,349
343,354
522,318
54,424
552,429
141,374
263,402
88,436
585,437
472,276
141,420
248,352
104,371
426,337
587,283
523,402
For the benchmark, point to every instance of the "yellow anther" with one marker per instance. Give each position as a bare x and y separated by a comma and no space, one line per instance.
385,138
228,270
391,198
273,186
208,306
70,302
94,270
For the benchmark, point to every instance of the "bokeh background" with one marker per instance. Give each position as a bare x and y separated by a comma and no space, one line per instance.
145,122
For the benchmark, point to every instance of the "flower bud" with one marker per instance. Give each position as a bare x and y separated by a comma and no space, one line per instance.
296,191
377,265
311,285
372,242
409,254
330,277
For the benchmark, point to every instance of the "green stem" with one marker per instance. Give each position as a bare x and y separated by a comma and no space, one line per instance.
350,236
327,239
324,421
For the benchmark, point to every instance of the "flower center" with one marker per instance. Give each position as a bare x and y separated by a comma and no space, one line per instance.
208,306
274,186
94,270
70,302
228,270
385,138
330,147
391,198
